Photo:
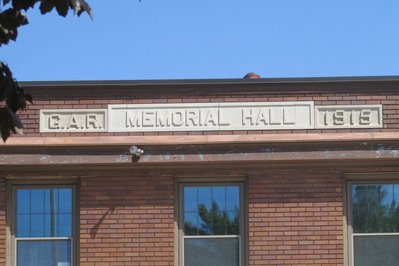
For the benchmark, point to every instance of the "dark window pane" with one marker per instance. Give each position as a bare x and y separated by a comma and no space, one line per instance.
23,225
190,199
213,217
190,223
204,221
37,225
65,200
54,205
47,201
23,201
44,253
219,221
48,230
52,224
219,197
204,210
374,208
37,201
232,198
233,223
218,214
204,198
50,214
376,250
211,252
396,207
387,209
386,195
65,225
396,192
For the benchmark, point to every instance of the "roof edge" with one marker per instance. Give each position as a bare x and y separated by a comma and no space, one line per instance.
294,80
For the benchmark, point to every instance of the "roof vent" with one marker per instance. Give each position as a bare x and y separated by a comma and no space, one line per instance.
251,75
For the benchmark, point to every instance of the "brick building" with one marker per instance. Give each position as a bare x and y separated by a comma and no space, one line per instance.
233,172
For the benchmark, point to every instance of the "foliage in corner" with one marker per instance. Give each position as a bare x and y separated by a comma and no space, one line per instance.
12,96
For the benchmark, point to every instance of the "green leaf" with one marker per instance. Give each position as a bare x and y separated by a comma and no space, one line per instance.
5,128
28,97
10,20
62,7
23,4
15,98
46,6
15,122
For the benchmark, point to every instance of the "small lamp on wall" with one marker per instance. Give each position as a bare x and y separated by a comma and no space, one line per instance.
136,152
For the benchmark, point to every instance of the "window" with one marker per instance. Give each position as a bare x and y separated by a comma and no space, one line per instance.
43,225
374,224
211,224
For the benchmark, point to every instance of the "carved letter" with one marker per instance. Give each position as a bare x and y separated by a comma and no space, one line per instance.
262,117
148,118
53,122
365,117
274,120
91,120
177,118
326,118
193,117
221,121
286,120
210,118
73,122
133,119
162,120
352,120
248,115
339,117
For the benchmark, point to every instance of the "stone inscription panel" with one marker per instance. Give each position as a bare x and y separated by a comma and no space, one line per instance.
349,116
210,116
73,120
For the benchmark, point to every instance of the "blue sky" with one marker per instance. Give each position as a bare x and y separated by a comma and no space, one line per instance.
189,39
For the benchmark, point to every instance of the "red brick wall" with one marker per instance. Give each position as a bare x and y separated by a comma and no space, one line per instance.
390,102
126,220
295,218
3,211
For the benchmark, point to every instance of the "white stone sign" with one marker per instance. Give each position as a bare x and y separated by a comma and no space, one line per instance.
348,116
73,120
210,116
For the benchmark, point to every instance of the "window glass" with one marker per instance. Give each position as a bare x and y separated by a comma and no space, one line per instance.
375,220
44,212
37,225
43,231
23,198
232,198
375,208
65,201
37,201
211,219
211,210
374,250
44,253
212,252
190,199
23,225
191,223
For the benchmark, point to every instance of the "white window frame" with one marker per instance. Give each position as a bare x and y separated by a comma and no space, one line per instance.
13,216
242,225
